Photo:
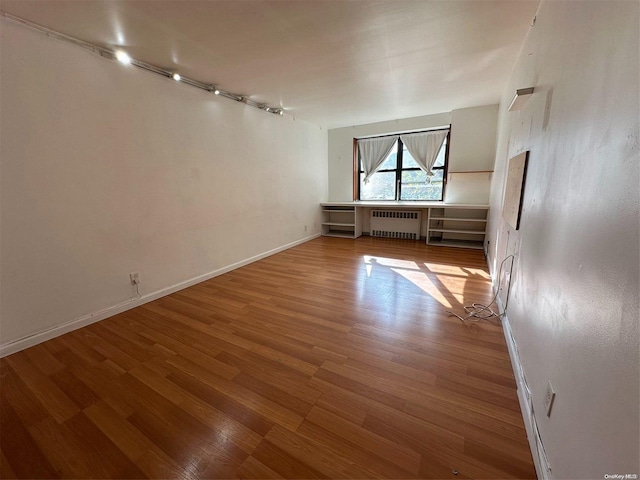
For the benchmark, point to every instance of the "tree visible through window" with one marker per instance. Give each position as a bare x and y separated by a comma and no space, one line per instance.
401,178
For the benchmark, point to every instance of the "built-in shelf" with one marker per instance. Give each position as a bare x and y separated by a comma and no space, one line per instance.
341,221
450,230
457,226
338,233
477,245
451,225
482,220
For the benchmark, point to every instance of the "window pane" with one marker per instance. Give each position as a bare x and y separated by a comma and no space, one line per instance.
414,186
392,159
381,186
407,160
440,157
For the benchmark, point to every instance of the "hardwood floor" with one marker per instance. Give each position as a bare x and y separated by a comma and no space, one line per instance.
334,359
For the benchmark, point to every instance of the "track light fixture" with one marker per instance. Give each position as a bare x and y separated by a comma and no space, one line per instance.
122,57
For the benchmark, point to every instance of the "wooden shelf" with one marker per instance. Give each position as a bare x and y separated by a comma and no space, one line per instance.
457,219
452,225
341,221
451,230
336,224
478,245
457,226
338,234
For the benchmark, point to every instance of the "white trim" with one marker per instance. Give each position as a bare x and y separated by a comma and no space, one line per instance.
540,461
36,338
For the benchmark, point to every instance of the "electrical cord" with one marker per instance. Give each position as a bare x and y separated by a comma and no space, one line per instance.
478,311
138,296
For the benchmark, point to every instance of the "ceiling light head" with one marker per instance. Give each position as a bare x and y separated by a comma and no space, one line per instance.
281,112
216,91
176,77
123,57
267,109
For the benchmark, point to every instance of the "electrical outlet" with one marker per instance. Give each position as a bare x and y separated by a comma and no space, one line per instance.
549,398
305,228
135,278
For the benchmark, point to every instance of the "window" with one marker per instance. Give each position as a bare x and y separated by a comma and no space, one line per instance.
399,177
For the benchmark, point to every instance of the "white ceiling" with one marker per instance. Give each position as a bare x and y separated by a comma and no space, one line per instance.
331,62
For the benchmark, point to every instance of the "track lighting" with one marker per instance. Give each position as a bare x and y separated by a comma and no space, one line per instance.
123,57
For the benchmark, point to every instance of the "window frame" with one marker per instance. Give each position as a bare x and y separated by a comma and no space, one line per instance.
357,167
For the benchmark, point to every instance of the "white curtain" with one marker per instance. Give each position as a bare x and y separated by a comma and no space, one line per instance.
424,148
373,152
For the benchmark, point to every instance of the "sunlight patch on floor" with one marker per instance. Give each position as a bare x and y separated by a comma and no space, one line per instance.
445,269
420,280
391,262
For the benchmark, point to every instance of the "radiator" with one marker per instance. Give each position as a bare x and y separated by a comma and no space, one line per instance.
395,224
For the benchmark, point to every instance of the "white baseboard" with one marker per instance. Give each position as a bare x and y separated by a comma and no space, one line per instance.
540,461
36,338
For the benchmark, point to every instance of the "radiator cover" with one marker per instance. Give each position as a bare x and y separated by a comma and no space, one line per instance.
403,224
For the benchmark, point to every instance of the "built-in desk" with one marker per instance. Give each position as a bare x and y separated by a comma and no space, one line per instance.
454,225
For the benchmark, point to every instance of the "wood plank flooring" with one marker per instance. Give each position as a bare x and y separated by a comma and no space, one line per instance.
333,359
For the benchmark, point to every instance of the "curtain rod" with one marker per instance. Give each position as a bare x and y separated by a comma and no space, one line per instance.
435,129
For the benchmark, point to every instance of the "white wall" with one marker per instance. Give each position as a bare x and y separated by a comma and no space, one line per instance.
473,135
573,305
471,154
107,169
473,139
